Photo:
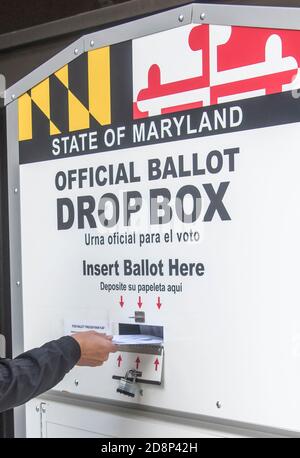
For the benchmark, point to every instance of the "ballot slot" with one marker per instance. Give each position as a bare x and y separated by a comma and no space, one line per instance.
139,358
141,329
140,338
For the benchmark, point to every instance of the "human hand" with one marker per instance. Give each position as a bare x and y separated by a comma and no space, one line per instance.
95,348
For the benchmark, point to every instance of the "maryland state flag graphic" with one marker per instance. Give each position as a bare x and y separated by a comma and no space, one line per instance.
186,69
203,65
92,91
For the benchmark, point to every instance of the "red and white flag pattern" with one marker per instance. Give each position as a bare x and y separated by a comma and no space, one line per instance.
195,66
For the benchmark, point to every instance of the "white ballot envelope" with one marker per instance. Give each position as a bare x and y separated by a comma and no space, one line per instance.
136,339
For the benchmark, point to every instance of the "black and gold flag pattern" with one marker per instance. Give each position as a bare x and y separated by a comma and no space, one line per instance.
93,90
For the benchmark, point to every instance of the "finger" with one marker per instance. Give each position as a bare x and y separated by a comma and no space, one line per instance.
85,362
114,349
96,364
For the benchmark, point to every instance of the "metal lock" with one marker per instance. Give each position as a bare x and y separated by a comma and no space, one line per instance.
128,385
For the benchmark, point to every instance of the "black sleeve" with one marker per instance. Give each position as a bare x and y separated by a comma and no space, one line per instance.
36,371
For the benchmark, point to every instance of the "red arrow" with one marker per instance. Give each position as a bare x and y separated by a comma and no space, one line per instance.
159,304
140,303
119,360
138,362
156,364
122,302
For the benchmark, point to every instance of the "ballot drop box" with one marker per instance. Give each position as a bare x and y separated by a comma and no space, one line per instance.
154,196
